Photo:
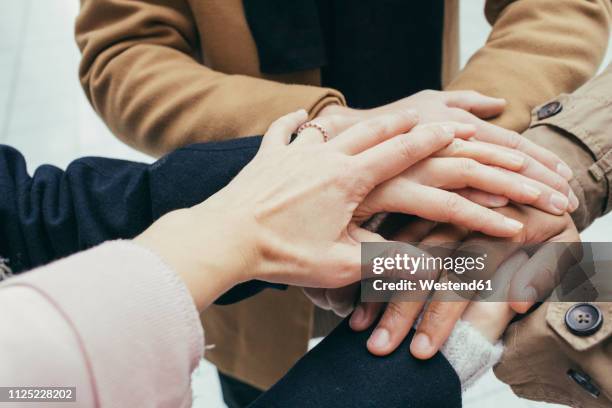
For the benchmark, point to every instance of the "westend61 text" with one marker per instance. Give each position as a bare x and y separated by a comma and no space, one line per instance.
430,284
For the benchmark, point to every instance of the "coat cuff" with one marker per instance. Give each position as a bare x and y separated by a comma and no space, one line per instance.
575,127
332,98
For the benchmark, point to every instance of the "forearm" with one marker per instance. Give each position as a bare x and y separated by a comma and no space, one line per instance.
536,50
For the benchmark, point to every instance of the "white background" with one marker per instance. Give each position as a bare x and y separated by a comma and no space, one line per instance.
44,113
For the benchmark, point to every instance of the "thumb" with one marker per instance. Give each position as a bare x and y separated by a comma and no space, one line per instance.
484,107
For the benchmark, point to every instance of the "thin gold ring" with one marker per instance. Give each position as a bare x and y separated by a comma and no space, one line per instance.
314,125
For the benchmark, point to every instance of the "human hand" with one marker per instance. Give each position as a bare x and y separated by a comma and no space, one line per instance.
461,164
474,170
440,316
248,229
472,108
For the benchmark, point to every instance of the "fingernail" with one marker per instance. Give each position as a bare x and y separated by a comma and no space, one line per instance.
379,339
517,161
421,344
513,224
574,202
559,202
449,129
358,315
564,171
531,191
529,294
497,201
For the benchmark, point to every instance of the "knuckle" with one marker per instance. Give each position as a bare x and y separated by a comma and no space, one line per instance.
457,146
452,206
434,316
406,147
467,166
559,183
514,140
394,313
408,115
430,136
438,133
376,126
527,164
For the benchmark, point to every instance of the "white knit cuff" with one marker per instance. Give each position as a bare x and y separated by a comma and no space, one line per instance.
470,353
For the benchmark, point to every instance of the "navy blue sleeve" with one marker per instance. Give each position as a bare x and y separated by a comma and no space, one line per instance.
55,213
340,372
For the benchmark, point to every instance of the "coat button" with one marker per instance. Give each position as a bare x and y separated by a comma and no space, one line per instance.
583,319
584,381
550,109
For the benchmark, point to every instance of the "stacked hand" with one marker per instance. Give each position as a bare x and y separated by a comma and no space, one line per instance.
485,169
472,108
293,214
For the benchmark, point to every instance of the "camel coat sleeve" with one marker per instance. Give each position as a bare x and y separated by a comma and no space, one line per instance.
537,49
143,74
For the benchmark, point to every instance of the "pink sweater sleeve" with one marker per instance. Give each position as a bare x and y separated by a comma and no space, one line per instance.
114,321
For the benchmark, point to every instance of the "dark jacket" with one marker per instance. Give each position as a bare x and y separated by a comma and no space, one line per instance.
55,213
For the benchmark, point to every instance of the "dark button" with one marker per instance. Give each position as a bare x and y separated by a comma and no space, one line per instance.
584,381
583,319
550,109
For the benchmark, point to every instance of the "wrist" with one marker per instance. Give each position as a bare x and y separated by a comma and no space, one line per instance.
490,319
203,249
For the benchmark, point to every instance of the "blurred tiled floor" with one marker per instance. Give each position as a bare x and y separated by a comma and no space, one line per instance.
44,113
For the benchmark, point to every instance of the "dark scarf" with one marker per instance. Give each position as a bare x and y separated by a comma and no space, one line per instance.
373,51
